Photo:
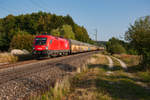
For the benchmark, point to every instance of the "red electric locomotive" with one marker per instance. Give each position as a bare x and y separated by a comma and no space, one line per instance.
47,45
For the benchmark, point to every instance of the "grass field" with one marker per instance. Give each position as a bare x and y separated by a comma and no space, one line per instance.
102,83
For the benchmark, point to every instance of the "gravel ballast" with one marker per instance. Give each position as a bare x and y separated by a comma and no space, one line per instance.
22,82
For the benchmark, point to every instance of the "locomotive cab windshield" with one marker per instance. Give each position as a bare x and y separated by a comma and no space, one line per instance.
40,41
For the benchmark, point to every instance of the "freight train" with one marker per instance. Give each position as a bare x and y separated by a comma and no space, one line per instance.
48,45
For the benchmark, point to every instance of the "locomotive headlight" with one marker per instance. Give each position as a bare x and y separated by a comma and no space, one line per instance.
46,48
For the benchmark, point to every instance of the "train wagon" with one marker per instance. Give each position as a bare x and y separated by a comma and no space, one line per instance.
48,45
77,46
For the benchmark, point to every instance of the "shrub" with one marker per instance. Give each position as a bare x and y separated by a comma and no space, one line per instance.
116,49
115,45
132,52
22,41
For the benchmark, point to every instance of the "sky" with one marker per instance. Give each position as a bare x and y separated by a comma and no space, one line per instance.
110,17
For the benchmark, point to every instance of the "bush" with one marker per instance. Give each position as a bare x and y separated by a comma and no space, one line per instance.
22,41
132,52
118,49
115,46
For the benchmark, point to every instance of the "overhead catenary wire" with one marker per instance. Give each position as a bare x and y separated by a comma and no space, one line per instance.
7,10
4,9
37,4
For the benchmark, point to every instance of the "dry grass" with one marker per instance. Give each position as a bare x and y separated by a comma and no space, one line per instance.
84,87
98,59
57,92
102,83
130,60
7,58
84,84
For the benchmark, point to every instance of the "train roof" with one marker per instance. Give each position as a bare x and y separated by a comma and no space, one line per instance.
61,38
52,37
81,43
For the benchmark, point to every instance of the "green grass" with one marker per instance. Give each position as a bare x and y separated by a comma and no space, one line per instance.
144,75
121,87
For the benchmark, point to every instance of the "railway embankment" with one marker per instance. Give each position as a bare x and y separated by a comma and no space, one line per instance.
30,80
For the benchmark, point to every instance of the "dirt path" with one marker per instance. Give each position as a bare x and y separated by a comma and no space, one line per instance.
110,61
123,65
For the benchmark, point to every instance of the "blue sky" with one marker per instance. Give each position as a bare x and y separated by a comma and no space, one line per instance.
110,17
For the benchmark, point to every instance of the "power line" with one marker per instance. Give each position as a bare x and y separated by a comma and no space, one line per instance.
44,3
37,4
5,9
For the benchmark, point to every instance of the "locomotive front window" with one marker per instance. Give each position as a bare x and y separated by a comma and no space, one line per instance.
40,41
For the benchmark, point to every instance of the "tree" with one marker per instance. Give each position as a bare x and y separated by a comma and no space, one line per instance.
81,33
66,32
22,41
40,22
117,49
138,35
55,32
4,42
68,20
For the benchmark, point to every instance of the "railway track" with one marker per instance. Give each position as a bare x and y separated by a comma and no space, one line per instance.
7,65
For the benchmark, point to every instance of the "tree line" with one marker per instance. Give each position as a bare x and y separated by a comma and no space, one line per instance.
17,29
137,41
